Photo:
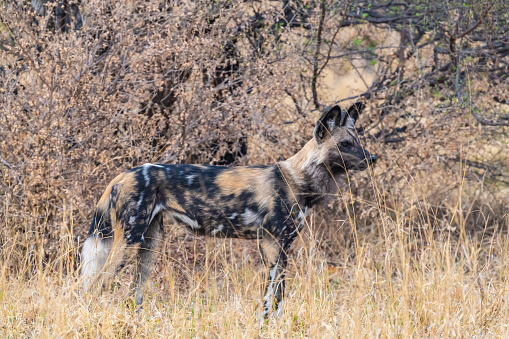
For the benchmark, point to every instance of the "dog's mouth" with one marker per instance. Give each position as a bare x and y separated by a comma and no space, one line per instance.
361,166
343,165
340,167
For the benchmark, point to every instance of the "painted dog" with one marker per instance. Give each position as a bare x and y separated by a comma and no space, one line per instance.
268,203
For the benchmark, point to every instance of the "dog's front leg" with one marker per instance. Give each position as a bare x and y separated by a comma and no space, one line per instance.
275,257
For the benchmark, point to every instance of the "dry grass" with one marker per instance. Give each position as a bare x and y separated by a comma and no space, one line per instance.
391,281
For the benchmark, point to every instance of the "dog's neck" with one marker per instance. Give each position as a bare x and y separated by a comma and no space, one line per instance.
309,176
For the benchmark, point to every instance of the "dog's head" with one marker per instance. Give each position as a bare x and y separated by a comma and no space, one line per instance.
338,143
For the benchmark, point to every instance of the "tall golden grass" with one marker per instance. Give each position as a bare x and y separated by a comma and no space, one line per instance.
409,274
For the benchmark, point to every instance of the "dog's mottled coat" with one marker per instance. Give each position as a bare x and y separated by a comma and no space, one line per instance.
268,203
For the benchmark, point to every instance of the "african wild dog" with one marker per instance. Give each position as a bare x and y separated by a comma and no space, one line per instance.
268,203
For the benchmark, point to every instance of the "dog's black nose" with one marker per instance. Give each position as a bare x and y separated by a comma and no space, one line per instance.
373,159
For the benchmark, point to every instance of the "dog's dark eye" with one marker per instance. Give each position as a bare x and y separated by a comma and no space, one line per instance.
345,143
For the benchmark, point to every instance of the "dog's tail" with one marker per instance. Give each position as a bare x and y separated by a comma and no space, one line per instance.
94,255
97,247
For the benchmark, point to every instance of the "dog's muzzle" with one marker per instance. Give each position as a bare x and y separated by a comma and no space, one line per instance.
370,160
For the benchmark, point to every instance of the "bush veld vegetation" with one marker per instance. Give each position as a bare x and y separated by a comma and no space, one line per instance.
415,247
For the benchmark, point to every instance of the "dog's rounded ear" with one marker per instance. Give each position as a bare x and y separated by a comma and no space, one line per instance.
331,118
353,114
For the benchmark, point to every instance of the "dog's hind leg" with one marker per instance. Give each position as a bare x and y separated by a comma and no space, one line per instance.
147,255
101,258
275,257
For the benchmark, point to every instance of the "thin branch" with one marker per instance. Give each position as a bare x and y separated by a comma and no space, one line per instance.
317,53
334,38
297,106
494,171
474,26
454,37
379,20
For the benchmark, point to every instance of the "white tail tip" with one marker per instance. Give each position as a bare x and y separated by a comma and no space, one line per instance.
93,257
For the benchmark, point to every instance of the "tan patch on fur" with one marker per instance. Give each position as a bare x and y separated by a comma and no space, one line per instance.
253,180
328,145
103,206
188,195
171,202
309,153
236,181
126,180
127,187
116,255
118,241
270,250
104,202
160,176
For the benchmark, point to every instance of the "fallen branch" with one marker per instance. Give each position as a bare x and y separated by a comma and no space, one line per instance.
483,121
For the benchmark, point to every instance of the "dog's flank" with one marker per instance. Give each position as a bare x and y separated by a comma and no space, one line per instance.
268,203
